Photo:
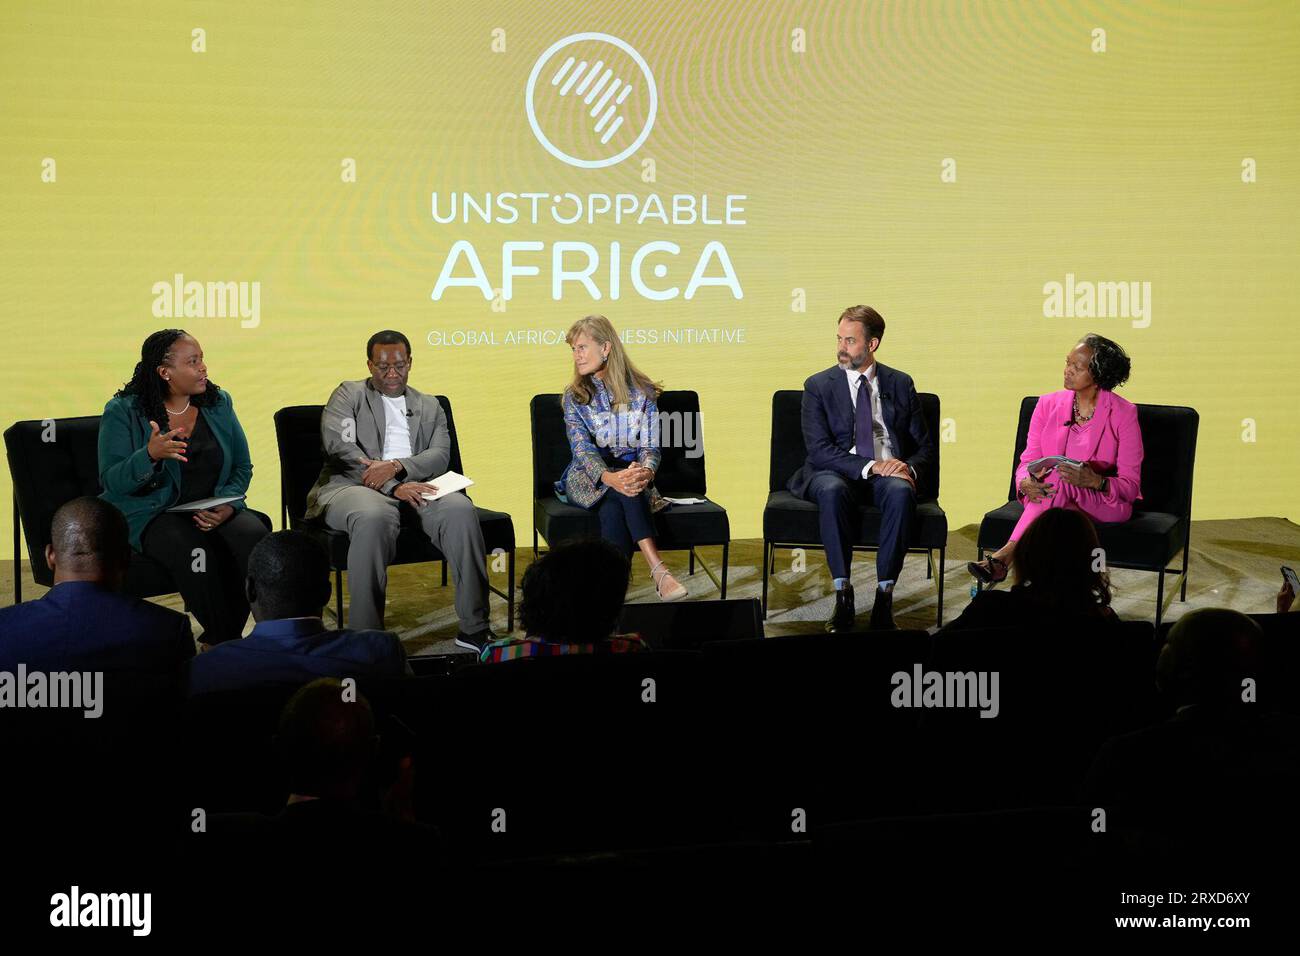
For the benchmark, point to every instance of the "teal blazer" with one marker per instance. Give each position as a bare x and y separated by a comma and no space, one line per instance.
141,488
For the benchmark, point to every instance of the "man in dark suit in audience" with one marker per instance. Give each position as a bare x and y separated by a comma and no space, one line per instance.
328,747
868,444
1221,773
288,588
83,623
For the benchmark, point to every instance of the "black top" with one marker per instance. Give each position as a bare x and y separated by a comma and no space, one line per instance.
199,474
1015,608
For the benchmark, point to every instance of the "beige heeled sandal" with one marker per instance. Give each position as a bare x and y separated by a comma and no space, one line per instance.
658,573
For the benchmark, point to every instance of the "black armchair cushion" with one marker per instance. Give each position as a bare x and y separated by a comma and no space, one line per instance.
676,527
791,520
1148,538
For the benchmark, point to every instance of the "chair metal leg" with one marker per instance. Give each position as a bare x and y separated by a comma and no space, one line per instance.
938,619
692,561
725,549
510,591
18,557
929,563
1187,546
766,547
338,596
979,556
534,544
444,572
1160,595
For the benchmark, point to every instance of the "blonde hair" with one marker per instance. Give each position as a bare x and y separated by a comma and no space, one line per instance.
620,373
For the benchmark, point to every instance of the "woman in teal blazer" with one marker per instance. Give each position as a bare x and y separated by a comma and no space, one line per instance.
170,436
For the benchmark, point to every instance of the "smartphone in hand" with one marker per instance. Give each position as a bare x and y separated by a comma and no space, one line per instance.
1290,578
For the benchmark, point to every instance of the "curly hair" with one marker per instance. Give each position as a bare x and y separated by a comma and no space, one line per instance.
574,593
148,387
1110,364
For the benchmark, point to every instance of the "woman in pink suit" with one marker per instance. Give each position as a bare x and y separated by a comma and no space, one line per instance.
1088,422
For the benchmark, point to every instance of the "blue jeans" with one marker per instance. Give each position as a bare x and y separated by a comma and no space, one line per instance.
624,521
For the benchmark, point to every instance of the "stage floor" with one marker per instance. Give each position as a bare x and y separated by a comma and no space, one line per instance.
1234,563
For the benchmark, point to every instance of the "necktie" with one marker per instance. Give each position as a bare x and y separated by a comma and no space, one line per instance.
863,428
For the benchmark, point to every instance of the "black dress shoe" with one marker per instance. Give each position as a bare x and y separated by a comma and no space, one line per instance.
882,612
475,642
842,619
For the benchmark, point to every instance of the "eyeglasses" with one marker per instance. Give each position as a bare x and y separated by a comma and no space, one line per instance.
399,368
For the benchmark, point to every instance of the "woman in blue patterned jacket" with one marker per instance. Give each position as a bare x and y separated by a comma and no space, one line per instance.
610,415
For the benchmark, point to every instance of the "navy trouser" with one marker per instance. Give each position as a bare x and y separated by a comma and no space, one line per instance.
624,521
838,501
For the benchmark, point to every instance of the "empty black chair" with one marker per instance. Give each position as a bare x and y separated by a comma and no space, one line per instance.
297,433
52,462
680,475
791,522
1161,525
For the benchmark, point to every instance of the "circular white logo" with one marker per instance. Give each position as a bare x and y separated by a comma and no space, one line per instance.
591,100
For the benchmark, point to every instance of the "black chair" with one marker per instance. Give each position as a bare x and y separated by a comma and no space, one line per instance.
677,528
297,433
686,625
791,522
1161,525
52,462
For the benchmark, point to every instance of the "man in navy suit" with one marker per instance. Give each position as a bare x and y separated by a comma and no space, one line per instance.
82,623
867,444
288,587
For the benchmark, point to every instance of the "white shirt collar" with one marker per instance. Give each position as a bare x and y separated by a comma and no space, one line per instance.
853,375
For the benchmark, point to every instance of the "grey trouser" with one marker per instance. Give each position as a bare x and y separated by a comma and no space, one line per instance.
372,520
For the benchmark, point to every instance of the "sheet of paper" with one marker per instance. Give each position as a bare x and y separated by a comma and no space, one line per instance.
685,501
203,504
448,483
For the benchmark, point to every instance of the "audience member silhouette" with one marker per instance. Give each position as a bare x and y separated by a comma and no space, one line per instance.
288,587
572,598
1060,580
1224,768
83,622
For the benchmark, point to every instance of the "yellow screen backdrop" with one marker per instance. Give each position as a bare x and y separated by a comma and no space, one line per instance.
945,162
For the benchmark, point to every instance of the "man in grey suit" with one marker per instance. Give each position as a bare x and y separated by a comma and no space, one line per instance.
383,441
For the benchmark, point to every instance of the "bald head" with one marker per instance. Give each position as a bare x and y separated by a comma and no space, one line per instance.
326,740
1207,655
89,541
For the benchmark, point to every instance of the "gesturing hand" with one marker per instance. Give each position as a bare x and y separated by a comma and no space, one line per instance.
413,492
166,444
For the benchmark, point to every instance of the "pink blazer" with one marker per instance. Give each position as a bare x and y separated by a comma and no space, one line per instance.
1117,441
